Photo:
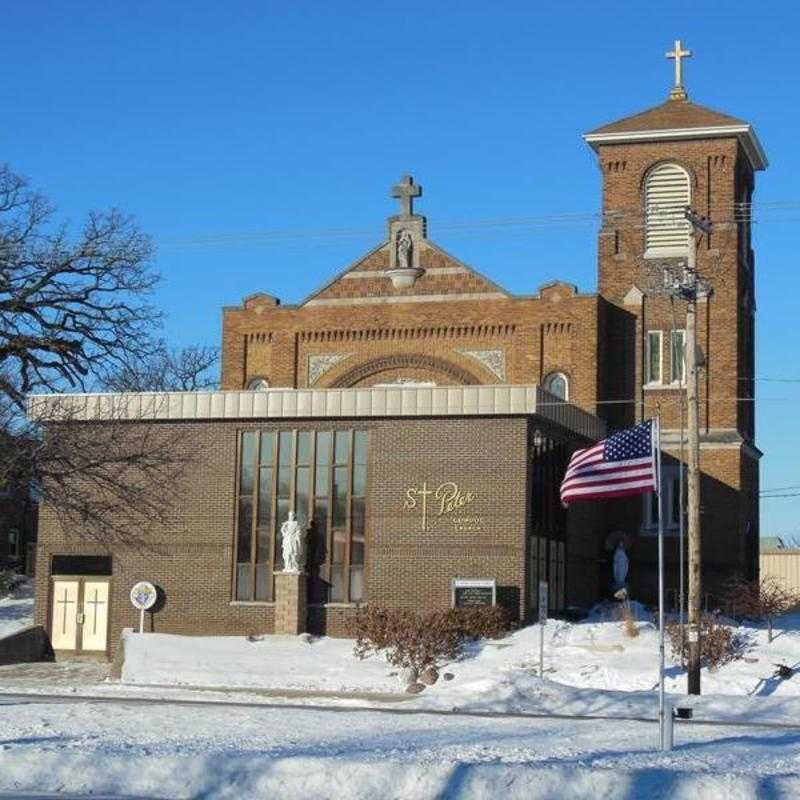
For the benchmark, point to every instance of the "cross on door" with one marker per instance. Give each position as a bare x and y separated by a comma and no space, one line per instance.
64,603
95,603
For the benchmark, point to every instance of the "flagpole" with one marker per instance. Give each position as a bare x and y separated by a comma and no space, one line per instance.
661,707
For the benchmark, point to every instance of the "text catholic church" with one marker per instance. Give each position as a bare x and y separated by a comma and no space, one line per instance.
418,418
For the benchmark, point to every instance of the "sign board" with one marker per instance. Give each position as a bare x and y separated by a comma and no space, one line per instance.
543,599
468,592
447,501
143,595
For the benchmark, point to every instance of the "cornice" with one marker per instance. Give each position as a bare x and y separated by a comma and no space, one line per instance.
744,133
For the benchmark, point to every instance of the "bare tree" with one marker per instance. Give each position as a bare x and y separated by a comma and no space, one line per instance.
106,480
185,370
70,308
761,600
75,310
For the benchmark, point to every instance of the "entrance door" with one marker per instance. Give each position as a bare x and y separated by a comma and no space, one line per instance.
64,630
80,614
94,628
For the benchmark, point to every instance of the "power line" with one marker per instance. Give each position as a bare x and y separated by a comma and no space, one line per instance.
634,218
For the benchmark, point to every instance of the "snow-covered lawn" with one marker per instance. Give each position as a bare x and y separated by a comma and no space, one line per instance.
215,752
591,667
274,662
16,610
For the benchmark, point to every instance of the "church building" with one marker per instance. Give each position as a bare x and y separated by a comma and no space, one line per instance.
417,418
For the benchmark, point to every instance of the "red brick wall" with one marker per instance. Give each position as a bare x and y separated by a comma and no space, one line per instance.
555,331
190,555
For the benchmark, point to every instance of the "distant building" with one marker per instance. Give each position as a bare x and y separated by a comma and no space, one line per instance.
766,543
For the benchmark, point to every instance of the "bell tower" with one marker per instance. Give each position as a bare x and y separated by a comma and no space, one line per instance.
656,165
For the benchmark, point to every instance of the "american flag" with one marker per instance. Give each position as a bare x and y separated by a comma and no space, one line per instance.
624,464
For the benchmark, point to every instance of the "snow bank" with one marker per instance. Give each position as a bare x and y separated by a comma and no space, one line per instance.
213,752
16,610
243,775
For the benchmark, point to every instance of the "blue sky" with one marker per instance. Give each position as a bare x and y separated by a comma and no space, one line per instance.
210,119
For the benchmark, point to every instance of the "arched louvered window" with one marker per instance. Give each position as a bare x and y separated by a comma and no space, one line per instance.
666,195
258,384
556,383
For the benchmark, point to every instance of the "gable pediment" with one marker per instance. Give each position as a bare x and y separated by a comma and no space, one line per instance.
435,276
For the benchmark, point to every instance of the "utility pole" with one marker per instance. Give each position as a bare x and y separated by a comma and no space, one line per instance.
689,288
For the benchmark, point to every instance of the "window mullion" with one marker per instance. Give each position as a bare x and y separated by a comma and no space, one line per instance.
349,519
273,520
254,515
329,527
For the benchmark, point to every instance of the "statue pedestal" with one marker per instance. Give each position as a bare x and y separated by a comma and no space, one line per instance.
291,615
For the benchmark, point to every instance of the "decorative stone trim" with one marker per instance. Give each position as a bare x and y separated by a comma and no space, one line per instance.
318,365
378,334
384,273
402,361
493,360
411,298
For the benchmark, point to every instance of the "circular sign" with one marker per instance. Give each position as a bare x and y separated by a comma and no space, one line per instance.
143,595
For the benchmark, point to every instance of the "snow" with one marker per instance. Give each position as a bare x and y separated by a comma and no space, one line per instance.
221,752
16,610
364,747
590,667
274,662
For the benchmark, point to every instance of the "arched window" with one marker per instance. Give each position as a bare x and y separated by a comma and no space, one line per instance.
667,192
258,385
556,383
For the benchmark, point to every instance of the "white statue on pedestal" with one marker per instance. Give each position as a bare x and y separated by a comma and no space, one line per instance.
293,545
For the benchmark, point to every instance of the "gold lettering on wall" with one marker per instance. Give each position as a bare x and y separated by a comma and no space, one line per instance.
446,498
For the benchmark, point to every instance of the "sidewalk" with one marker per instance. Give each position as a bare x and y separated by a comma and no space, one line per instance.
81,676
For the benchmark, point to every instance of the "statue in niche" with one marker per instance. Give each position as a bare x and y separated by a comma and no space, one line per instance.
293,543
404,247
621,565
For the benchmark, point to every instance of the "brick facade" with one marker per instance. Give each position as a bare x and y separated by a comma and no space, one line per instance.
190,556
441,322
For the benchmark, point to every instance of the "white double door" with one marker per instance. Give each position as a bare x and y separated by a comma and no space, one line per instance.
79,618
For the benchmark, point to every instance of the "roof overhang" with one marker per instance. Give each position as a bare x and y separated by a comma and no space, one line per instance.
309,404
744,133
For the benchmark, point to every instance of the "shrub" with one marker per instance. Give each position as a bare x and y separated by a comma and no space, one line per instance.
419,641
761,600
719,643
480,622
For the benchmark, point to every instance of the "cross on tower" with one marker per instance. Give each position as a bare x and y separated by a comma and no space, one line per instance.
678,92
405,192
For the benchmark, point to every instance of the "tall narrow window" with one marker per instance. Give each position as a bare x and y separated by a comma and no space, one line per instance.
667,192
244,527
322,477
671,500
653,357
357,515
678,359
